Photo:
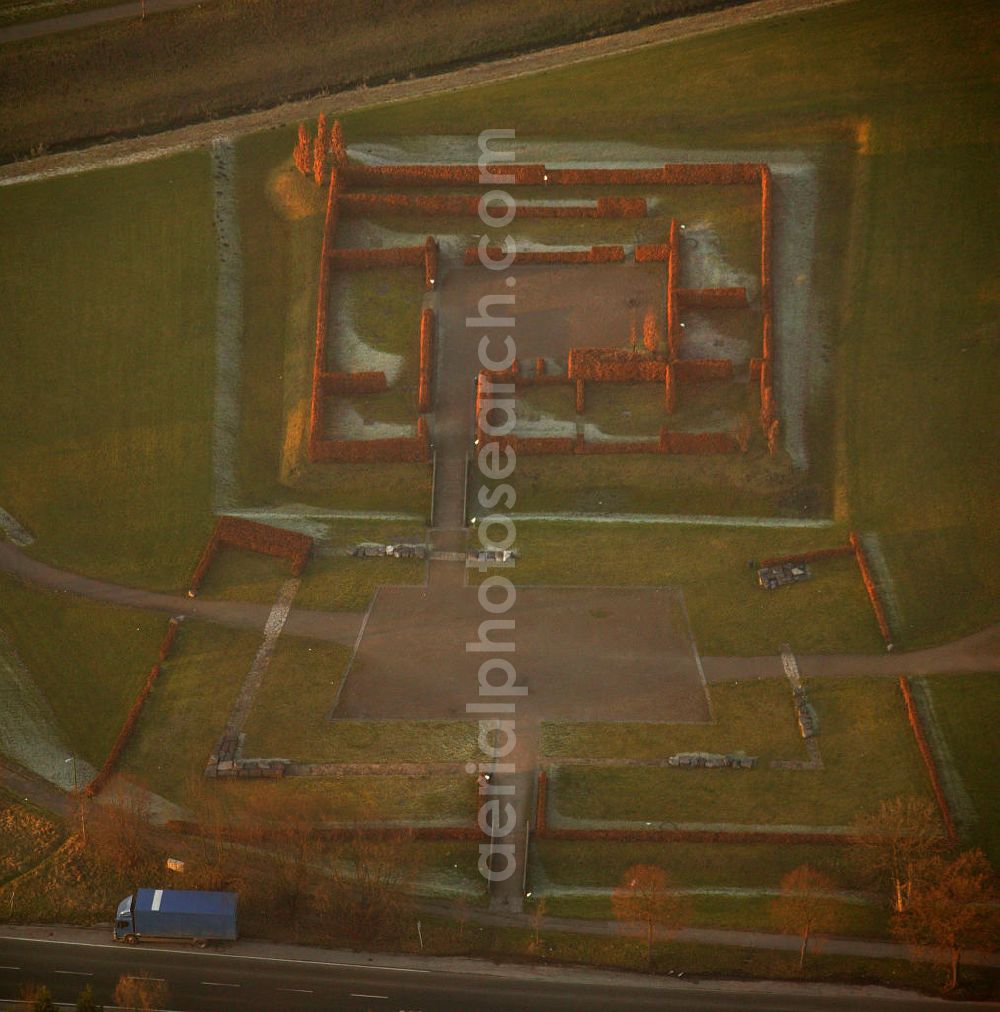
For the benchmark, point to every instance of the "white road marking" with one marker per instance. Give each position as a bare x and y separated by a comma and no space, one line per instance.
384,996
297,990
216,983
74,973
10,968
217,955
161,980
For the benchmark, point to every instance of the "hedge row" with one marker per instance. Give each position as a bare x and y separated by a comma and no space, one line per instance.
773,432
630,446
646,253
124,735
405,449
322,304
444,175
390,256
605,177
711,173
815,555
167,643
669,389
916,725
615,365
767,336
594,255
873,595
754,371
580,396
430,262
238,532
456,205
352,382
712,297
691,836
338,152
426,360
765,233
673,273
698,370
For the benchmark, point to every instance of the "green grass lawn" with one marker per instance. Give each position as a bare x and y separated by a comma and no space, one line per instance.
729,613
237,575
106,392
868,753
429,798
968,708
185,714
566,863
736,913
88,660
337,583
756,717
290,717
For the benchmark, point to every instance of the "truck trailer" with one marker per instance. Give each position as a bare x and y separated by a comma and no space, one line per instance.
176,914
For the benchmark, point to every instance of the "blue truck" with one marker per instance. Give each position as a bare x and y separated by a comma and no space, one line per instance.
173,914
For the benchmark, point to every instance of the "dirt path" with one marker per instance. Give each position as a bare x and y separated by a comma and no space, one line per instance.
336,627
977,652
200,134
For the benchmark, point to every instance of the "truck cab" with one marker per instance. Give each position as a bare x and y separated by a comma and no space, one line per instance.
124,922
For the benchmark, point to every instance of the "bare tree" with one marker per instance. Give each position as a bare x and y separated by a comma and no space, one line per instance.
140,993
954,907
802,909
120,836
894,845
644,896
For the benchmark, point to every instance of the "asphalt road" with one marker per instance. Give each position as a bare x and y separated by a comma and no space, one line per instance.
205,980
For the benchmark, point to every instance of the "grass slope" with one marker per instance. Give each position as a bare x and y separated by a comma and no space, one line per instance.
88,660
105,394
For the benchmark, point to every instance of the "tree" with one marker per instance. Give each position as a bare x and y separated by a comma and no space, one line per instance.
894,845
802,909
320,148
303,151
954,906
40,998
633,334
120,836
650,332
86,1002
644,896
140,993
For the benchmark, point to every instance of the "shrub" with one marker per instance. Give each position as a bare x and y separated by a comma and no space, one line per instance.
673,268
320,146
699,370
710,173
337,151
595,255
166,644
